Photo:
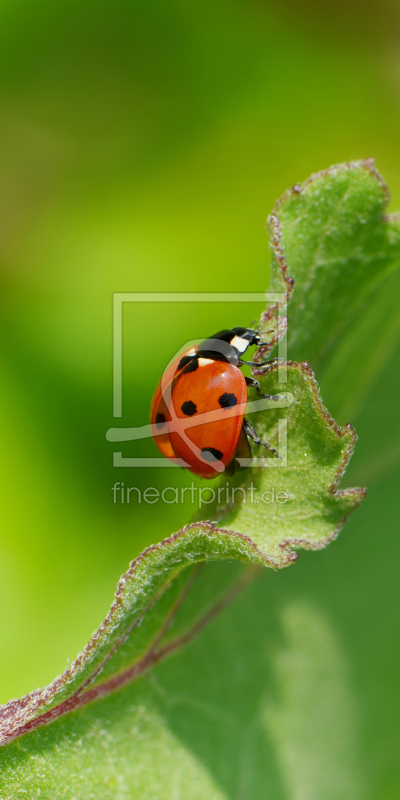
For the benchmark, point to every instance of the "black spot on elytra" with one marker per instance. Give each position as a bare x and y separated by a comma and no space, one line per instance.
191,366
211,454
160,420
227,400
189,408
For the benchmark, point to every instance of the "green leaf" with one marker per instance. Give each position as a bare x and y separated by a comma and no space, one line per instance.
209,723
117,726
308,512
304,508
332,246
361,352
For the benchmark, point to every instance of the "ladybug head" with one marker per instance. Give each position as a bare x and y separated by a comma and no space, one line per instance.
229,345
243,338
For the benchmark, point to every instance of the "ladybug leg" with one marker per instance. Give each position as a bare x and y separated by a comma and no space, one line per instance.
255,385
249,431
243,451
260,363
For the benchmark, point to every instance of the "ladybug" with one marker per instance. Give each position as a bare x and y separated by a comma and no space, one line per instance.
198,409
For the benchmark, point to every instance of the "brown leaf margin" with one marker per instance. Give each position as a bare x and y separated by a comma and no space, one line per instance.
357,493
18,716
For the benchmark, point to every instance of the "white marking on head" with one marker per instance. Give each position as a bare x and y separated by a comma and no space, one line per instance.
240,344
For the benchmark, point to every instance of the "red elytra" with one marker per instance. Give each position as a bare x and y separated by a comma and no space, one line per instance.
159,413
198,408
210,446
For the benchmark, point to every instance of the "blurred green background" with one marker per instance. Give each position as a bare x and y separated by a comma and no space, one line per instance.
142,146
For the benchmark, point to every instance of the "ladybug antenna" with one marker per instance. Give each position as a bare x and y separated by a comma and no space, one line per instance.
262,343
